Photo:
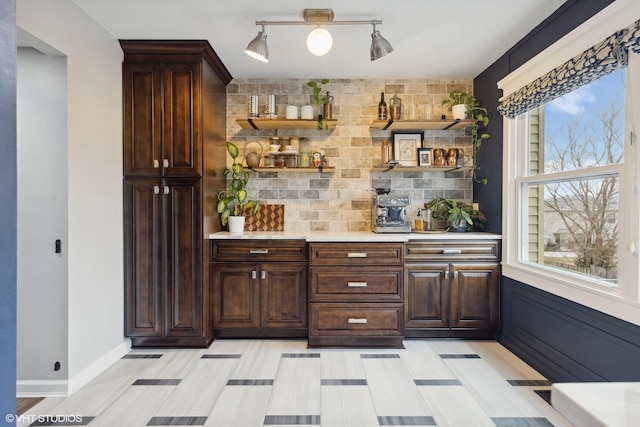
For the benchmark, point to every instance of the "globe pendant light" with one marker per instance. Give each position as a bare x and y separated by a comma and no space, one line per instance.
319,42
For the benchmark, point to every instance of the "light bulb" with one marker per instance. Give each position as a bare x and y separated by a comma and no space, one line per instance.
319,42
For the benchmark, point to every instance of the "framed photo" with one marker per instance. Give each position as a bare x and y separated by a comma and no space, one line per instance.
405,147
424,156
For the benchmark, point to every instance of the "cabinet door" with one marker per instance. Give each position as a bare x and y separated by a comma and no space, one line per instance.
184,260
143,257
475,296
284,295
142,119
236,295
182,119
426,296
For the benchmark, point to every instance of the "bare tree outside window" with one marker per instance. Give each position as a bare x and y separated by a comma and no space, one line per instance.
581,215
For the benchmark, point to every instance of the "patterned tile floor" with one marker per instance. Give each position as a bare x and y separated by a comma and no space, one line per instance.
247,383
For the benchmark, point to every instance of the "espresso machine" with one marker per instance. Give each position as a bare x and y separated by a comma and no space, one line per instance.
389,214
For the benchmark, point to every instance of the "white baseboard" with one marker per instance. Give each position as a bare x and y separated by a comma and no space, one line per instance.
42,388
64,388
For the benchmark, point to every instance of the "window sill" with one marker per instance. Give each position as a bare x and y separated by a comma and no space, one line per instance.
611,302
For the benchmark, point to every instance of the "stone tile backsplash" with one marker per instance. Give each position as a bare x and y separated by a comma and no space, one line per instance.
341,201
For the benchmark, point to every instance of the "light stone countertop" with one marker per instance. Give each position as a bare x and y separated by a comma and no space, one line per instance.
353,236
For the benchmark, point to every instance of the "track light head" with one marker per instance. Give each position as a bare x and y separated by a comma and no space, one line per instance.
258,48
379,45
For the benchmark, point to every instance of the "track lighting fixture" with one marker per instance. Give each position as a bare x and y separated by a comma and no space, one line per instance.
319,41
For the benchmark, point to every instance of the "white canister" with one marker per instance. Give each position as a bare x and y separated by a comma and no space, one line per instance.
292,112
307,112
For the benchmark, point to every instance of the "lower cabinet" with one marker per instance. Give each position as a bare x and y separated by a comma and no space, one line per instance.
452,289
356,294
163,263
259,289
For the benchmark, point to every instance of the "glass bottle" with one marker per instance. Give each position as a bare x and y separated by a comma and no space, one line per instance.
419,223
382,108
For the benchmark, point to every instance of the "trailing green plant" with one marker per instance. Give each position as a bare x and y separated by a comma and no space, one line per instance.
235,200
458,214
479,117
319,100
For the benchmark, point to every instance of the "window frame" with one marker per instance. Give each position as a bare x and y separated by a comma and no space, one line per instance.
621,301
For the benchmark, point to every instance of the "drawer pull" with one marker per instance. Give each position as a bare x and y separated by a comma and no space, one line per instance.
353,320
452,251
356,255
258,251
357,284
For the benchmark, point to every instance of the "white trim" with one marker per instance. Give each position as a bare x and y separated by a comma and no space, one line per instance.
42,388
617,15
96,368
64,388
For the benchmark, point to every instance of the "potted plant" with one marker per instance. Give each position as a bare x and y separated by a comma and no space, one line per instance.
479,118
318,100
458,104
234,203
461,216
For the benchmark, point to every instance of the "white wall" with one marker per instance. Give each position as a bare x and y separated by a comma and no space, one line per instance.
42,328
95,248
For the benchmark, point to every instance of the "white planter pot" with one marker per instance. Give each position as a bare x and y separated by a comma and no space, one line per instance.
236,224
459,112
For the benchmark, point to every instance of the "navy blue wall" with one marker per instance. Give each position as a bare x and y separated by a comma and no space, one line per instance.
563,340
566,341
8,201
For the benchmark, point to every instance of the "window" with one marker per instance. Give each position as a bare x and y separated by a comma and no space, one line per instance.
571,188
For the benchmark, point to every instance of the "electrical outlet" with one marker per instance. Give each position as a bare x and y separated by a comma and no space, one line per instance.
56,366
476,206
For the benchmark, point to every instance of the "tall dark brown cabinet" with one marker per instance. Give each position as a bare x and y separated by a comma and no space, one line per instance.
174,96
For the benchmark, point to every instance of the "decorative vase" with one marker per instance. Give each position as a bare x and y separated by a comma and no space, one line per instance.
236,224
459,112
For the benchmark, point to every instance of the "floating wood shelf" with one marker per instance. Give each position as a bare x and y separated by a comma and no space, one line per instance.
326,169
421,169
263,124
418,124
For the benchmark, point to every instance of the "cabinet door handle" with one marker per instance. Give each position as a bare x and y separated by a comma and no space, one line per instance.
263,274
356,255
166,189
254,275
451,251
156,164
355,320
258,251
165,163
357,284
156,189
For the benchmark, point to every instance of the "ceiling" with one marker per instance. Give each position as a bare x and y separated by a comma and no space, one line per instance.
432,39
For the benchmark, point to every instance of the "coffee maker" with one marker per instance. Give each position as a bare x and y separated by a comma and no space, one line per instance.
389,214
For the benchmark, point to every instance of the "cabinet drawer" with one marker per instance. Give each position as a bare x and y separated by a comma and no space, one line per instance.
258,250
478,250
356,284
357,319
355,254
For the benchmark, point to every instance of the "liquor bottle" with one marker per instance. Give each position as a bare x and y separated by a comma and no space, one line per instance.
382,108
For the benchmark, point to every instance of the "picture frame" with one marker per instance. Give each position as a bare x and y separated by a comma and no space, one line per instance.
405,147
424,156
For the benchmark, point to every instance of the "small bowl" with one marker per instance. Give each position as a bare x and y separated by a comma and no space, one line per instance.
274,147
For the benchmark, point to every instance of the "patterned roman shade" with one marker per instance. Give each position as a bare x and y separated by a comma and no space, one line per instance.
597,61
